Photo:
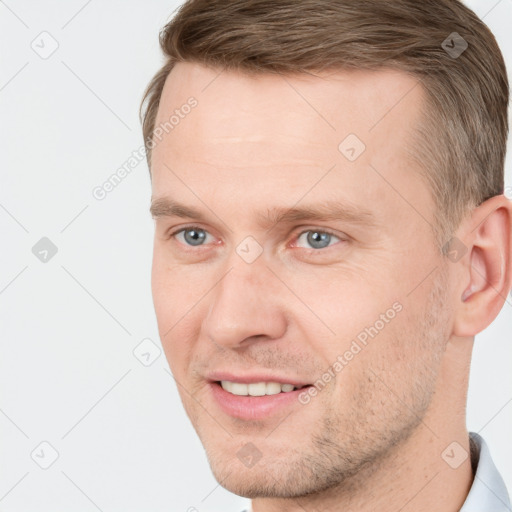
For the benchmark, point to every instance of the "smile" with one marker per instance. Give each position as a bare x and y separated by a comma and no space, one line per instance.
255,400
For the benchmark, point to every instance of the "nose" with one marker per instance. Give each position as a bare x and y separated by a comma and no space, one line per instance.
245,306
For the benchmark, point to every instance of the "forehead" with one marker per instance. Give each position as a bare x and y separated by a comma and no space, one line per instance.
269,136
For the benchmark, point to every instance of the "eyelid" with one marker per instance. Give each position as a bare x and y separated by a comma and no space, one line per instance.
172,232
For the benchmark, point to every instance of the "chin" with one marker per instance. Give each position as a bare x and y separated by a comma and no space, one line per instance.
277,478
247,483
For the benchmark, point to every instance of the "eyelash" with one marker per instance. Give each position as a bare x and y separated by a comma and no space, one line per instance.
326,231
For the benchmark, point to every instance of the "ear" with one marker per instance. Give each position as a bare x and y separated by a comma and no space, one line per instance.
485,276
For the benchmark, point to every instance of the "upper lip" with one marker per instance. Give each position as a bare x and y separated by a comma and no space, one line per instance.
254,377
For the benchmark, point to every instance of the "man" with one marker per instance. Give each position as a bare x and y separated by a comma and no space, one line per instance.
331,233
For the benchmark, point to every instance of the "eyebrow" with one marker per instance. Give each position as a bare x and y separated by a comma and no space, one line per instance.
325,211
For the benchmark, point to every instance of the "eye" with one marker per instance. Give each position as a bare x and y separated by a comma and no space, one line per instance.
192,235
318,239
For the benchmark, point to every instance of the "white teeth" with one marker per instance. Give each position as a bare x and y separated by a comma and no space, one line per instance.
226,385
238,388
273,388
255,388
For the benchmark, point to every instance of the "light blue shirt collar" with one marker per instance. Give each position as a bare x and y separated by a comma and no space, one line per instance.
488,492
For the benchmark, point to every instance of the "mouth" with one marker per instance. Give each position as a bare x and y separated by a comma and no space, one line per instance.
256,400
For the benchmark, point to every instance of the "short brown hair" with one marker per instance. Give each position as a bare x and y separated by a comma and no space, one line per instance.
460,144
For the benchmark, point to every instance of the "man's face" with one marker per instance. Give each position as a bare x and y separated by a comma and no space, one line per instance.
243,298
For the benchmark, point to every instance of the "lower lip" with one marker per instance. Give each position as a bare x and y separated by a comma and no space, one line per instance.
253,407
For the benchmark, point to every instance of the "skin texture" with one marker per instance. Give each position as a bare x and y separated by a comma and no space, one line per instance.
372,438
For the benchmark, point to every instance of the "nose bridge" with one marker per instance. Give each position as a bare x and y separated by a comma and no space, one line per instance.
243,304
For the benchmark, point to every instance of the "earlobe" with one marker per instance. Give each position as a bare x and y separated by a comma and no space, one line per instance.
487,273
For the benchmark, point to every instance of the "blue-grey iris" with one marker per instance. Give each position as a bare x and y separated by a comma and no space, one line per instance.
196,238
317,238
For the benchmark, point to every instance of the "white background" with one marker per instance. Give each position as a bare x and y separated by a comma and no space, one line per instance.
69,326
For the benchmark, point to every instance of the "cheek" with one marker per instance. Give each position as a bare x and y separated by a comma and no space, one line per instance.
349,307
165,287
168,286
371,338
176,307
